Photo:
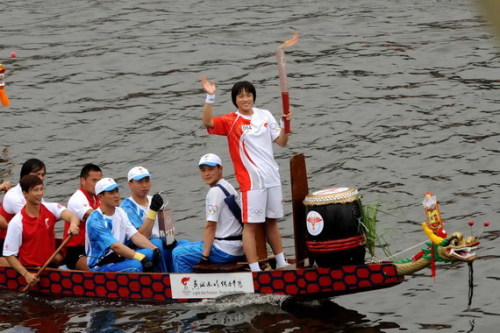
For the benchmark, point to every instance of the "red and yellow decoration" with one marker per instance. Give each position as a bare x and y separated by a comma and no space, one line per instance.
435,224
434,220
4,99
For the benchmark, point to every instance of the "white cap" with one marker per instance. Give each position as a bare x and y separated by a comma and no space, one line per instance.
210,159
137,173
105,184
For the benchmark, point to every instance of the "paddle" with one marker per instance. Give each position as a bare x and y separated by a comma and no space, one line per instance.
63,244
285,98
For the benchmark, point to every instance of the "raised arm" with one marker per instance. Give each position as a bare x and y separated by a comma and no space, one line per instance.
209,88
149,220
282,139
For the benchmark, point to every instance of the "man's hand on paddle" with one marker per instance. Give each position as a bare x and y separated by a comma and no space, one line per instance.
74,221
208,86
31,278
73,230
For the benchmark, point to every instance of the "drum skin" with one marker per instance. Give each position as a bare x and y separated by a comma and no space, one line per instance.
334,235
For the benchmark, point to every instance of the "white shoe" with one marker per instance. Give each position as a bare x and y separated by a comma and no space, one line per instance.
282,266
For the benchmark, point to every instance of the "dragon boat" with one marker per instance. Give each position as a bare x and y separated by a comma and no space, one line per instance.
329,260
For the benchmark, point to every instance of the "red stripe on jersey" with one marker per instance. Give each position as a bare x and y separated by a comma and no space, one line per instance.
244,206
231,125
39,241
246,153
234,141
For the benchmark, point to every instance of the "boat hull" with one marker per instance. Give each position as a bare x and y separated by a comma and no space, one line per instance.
165,287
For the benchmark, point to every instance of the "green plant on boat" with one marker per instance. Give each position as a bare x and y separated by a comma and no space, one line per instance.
369,221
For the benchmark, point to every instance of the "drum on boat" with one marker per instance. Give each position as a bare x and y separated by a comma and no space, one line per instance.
334,234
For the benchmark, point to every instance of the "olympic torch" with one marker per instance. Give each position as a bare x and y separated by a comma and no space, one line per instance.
285,98
3,95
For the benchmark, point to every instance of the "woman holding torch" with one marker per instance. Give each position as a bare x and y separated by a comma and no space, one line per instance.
250,133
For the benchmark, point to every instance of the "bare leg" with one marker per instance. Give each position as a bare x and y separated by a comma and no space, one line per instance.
58,260
81,264
249,244
260,241
273,235
4,262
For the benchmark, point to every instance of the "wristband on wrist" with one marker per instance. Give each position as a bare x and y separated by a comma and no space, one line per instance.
210,99
204,257
282,123
151,214
139,256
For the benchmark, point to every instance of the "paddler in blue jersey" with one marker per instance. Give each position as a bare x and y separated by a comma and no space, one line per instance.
142,210
109,229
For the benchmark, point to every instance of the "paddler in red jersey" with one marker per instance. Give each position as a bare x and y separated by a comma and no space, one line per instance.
14,199
250,133
30,239
83,202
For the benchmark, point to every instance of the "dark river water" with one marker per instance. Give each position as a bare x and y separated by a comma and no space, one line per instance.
395,98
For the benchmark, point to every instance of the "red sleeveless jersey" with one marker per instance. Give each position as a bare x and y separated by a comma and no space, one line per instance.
85,201
38,237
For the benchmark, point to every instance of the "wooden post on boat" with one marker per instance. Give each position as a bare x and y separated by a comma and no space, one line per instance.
300,189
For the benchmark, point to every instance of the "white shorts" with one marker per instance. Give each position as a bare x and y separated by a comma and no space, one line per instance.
256,205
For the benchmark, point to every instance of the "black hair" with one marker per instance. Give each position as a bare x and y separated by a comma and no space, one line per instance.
87,168
29,181
242,86
31,165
